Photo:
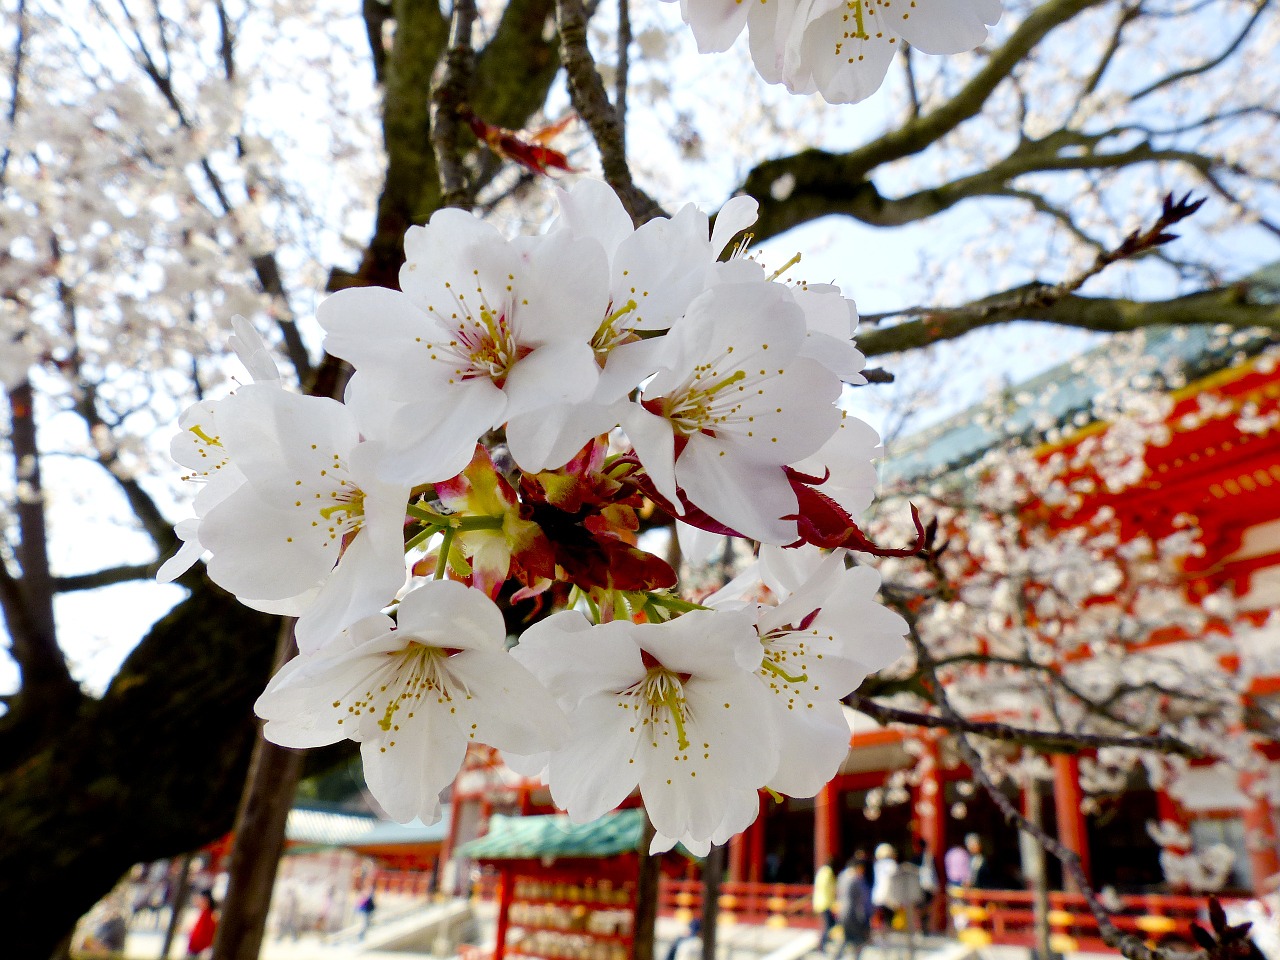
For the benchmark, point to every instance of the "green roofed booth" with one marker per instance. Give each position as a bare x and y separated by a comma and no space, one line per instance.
566,891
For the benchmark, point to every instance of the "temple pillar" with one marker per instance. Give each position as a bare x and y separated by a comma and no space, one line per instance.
1068,799
930,803
826,825
738,856
1260,838
755,845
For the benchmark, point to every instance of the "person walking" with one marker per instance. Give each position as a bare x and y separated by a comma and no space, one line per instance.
824,900
366,907
982,872
932,904
200,941
856,909
882,874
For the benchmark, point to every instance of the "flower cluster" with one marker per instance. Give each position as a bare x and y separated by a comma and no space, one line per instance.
517,410
840,48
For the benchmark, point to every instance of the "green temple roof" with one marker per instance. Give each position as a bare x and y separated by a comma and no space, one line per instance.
534,838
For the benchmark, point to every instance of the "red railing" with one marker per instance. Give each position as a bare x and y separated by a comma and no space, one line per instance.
415,883
771,904
1007,917
981,916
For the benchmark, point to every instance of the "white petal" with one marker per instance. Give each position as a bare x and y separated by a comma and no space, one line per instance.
704,643
817,741
550,437
654,443
696,545
445,613
370,326
745,495
564,372
430,447
735,216
845,70
406,778
252,351
715,23
573,659
594,771
188,553
948,26
510,710
591,209
562,292
262,551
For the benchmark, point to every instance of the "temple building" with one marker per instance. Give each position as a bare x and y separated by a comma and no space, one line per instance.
1220,465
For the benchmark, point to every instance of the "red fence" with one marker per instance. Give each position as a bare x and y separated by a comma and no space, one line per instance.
772,904
981,916
1006,916
410,882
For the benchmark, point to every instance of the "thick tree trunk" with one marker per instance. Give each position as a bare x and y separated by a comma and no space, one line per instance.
151,770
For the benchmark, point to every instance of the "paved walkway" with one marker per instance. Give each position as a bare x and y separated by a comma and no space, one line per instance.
413,934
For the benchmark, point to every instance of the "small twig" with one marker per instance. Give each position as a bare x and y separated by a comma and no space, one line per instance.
912,92
447,98
586,90
1039,295
1053,741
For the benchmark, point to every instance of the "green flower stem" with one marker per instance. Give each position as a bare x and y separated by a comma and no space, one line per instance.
445,547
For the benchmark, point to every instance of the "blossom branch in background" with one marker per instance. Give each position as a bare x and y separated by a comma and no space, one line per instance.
1051,740
1129,945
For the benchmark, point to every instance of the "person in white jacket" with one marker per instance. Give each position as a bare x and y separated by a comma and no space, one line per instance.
883,871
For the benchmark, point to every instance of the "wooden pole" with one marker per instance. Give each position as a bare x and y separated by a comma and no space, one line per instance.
1033,864
179,904
712,871
259,837
646,895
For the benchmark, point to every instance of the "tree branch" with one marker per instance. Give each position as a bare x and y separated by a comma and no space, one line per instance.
1229,306
447,96
1053,741
828,183
586,89
624,62
106,577
47,685
1207,65
1128,945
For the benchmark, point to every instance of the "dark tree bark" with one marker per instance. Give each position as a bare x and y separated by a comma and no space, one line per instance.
151,770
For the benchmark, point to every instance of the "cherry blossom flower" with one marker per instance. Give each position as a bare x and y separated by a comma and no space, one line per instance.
198,447
840,48
413,694
846,463
656,270
312,525
673,708
733,403
823,636
486,327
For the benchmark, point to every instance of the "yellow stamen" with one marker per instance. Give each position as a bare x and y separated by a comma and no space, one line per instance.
199,432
